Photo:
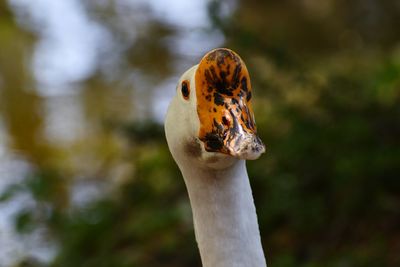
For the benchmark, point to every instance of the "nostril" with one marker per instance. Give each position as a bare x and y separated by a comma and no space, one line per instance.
225,121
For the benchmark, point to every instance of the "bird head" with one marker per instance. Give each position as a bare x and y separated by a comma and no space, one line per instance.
210,118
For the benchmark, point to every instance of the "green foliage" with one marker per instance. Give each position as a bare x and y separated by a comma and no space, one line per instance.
334,180
138,228
327,191
24,222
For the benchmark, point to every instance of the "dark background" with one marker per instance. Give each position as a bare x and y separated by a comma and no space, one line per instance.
106,192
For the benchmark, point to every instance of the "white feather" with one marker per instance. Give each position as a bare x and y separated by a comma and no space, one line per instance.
223,208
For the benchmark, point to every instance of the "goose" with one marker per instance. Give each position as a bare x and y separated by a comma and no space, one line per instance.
211,132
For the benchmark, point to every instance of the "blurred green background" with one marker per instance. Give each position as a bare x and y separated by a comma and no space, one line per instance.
86,178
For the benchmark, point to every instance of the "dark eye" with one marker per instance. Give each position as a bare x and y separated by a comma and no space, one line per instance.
185,89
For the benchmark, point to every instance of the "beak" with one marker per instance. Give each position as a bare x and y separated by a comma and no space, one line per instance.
223,93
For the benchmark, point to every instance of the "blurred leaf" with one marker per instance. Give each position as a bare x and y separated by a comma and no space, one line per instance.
24,222
10,192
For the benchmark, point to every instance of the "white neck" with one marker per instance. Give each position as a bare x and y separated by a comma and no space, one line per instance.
224,216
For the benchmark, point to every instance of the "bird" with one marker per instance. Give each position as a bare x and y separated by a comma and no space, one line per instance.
210,131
